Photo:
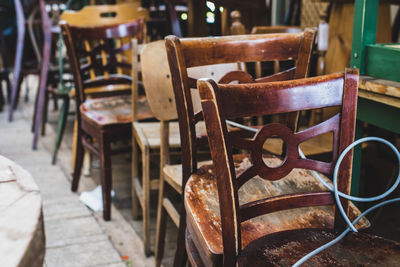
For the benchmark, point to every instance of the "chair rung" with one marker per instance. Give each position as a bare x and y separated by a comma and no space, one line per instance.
173,213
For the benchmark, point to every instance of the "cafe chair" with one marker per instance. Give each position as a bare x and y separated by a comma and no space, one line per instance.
271,211
96,61
184,54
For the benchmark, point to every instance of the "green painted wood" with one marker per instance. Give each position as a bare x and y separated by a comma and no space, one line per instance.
383,61
364,30
379,114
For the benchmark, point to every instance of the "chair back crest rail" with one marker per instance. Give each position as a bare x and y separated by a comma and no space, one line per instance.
188,53
221,102
95,55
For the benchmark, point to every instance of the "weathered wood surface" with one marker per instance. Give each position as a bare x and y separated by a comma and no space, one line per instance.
379,86
356,249
115,109
202,205
22,240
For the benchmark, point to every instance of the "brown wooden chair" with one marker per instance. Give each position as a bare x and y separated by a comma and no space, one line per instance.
96,15
274,224
95,59
184,54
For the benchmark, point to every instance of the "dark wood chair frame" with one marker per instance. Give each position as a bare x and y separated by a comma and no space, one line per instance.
87,130
186,53
222,102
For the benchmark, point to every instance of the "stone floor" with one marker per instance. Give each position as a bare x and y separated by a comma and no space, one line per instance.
75,235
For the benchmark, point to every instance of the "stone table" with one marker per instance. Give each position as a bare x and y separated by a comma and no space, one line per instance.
22,239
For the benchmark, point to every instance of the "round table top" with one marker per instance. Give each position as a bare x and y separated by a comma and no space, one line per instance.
22,241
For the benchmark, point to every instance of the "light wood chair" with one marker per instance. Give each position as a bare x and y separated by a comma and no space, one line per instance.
152,136
95,58
291,214
171,178
96,15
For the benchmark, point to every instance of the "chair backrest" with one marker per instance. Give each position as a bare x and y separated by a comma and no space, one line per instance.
105,14
275,29
185,54
222,102
95,54
157,82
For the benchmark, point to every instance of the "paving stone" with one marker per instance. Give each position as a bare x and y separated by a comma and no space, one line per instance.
69,231
85,254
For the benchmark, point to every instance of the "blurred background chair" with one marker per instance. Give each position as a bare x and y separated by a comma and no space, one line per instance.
94,15
96,58
153,137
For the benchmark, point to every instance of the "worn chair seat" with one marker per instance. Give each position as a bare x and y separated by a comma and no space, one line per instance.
112,110
149,132
286,248
202,207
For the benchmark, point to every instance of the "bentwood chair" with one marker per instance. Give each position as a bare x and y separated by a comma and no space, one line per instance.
95,57
95,15
275,224
184,54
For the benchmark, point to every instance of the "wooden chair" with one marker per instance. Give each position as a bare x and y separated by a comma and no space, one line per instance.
104,119
184,54
276,226
96,15
151,136
171,177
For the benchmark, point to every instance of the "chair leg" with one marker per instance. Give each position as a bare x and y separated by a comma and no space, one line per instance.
180,254
146,200
8,89
161,224
135,197
17,71
106,176
2,99
62,122
77,163
45,113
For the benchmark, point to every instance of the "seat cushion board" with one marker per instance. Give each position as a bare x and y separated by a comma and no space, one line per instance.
111,110
151,131
286,248
202,206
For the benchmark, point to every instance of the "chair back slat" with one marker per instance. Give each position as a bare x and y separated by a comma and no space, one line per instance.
217,50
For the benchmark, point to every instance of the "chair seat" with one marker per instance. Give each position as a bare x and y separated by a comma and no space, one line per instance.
112,110
150,133
286,248
202,206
